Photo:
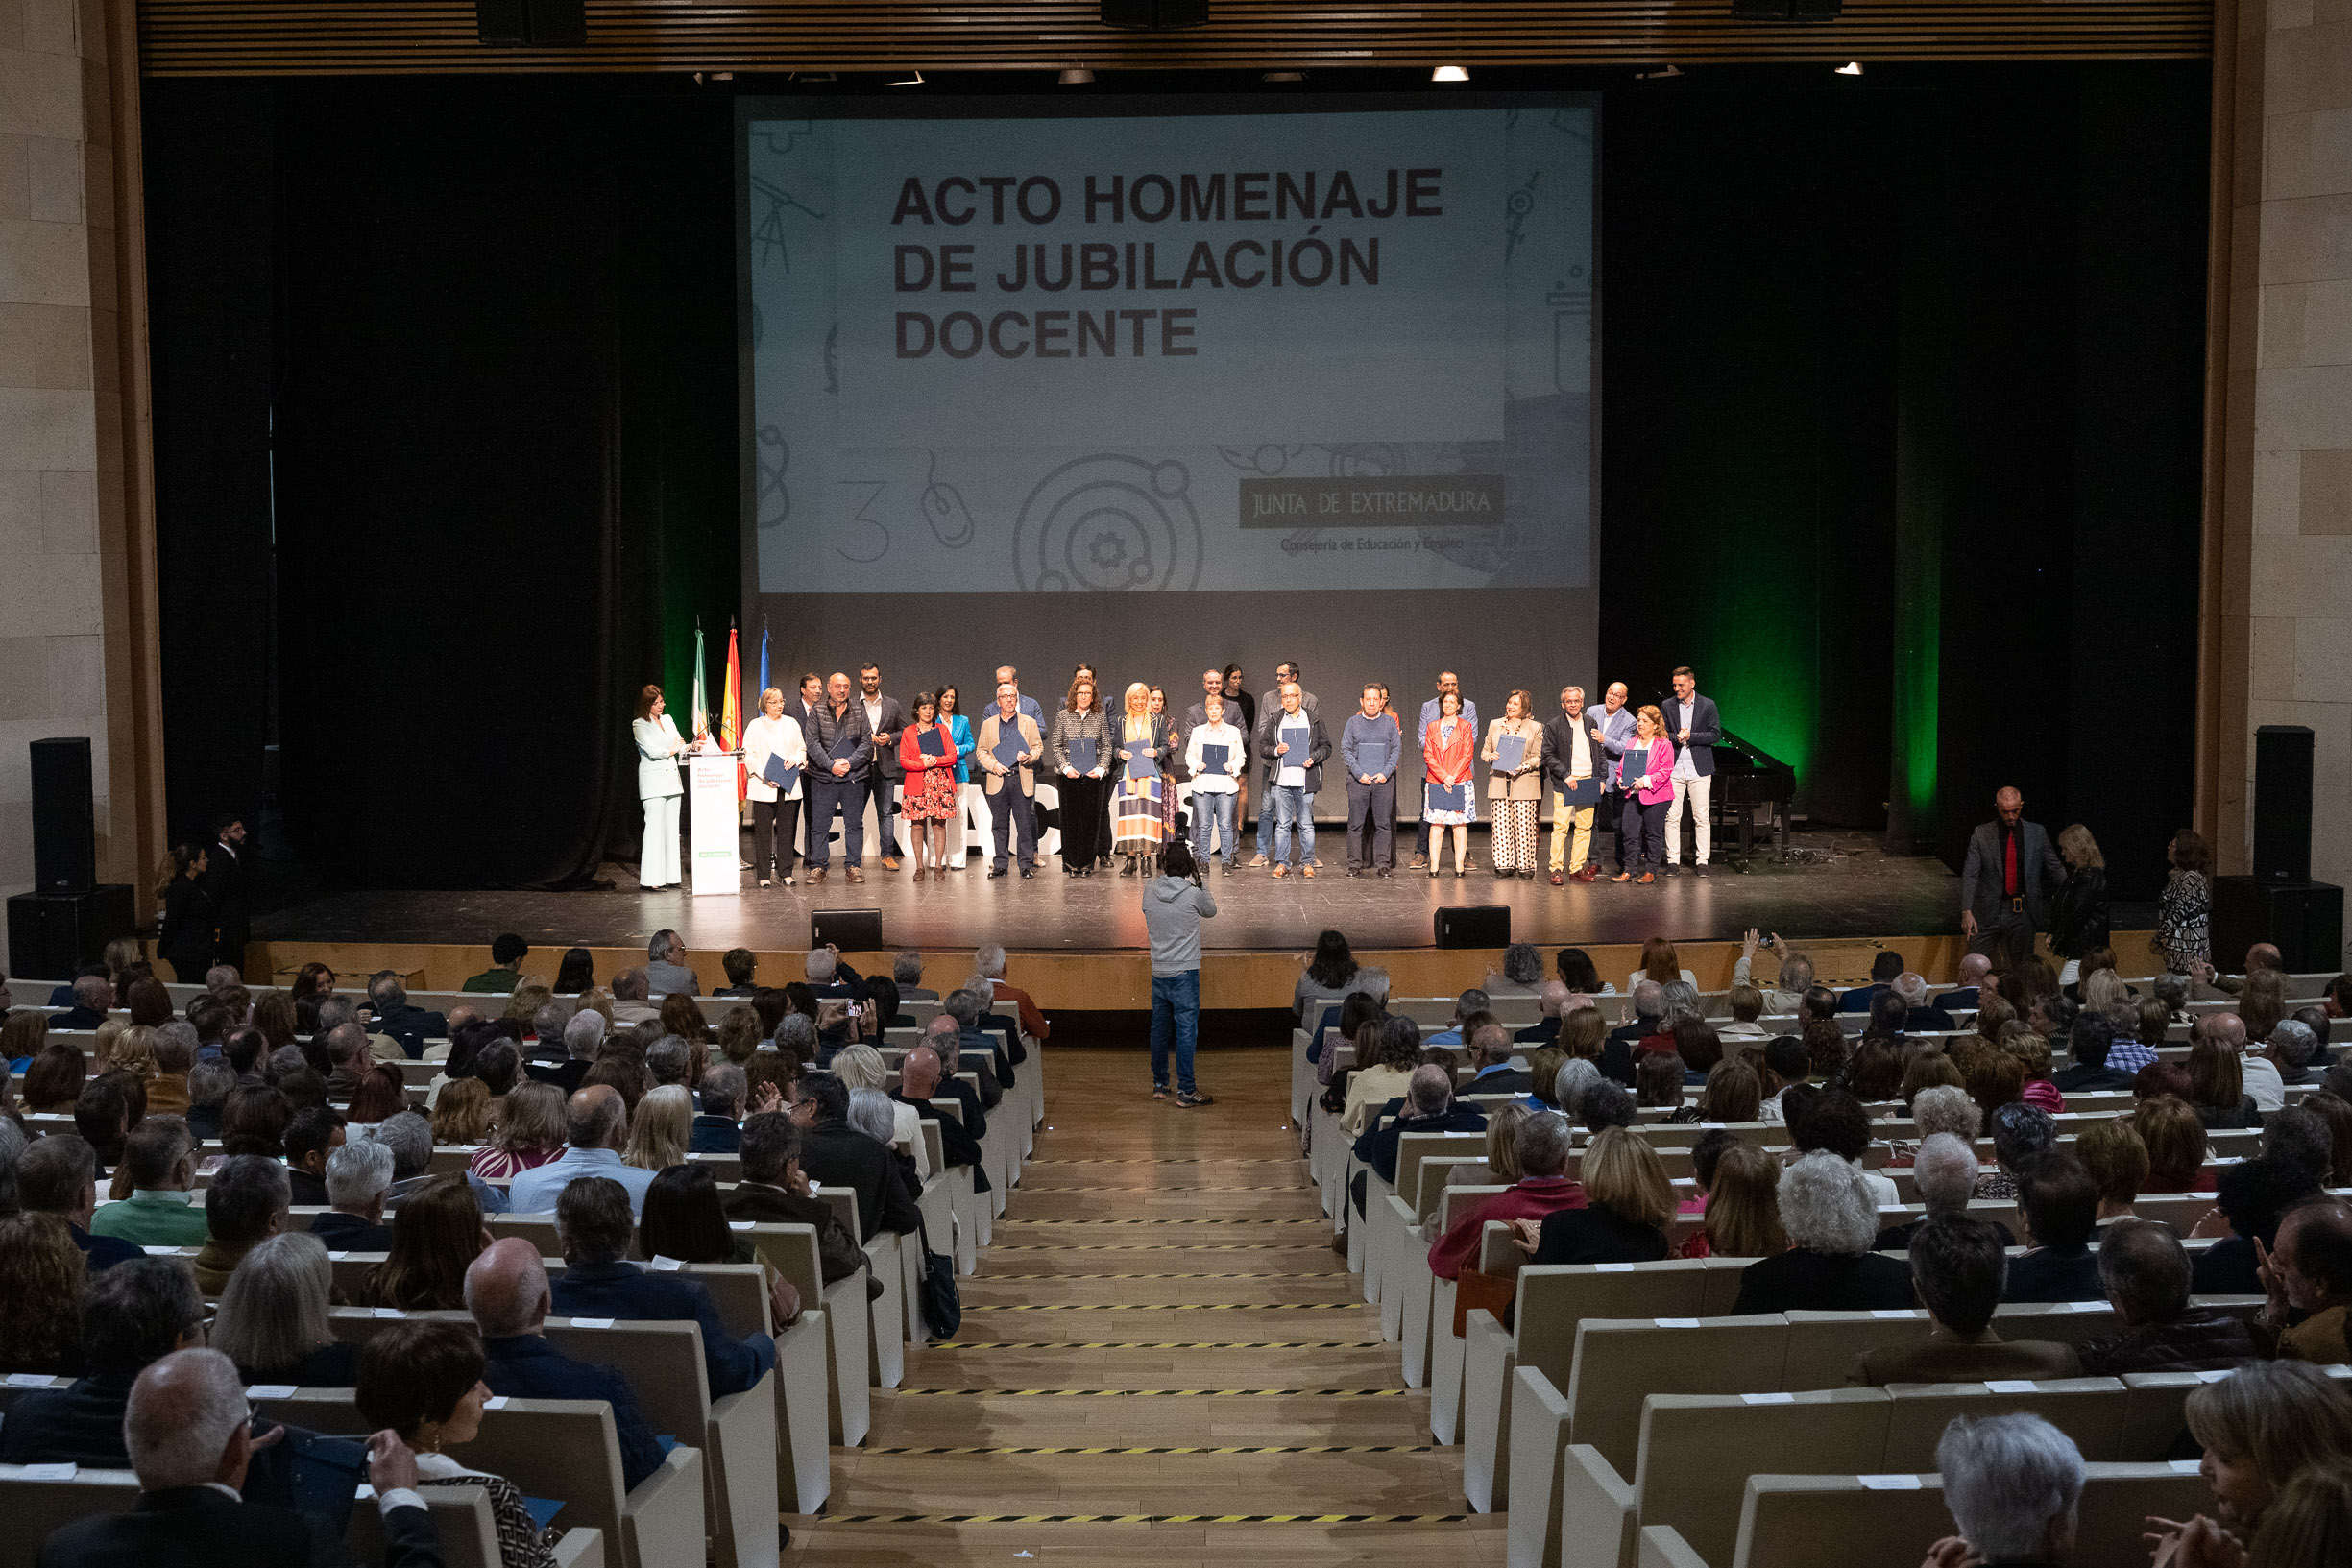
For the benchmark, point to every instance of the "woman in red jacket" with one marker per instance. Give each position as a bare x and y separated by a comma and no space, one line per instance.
1647,780
928,799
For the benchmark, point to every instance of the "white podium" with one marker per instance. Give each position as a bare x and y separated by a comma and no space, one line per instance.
714,841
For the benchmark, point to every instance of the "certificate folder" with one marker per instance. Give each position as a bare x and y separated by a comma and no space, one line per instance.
1510,750
1215,758
1139,763
1449,797
1082,754
779,773
931,743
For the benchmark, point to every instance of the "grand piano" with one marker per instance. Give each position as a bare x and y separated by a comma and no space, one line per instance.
1748,777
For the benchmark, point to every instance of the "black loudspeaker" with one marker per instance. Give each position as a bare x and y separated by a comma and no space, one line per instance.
2282,806
1154,16
1474,926
543,23
851,931
50,935
64,820
2303,919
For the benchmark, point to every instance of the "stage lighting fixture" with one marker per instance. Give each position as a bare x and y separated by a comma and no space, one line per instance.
1077,76
1852,67
1449,73
1154,16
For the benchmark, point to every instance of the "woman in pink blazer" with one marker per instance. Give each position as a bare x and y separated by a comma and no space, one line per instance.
1647,778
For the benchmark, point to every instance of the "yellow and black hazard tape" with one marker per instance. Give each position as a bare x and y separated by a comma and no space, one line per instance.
1157,1344
1162,1306
1319,1448
1151,1393
1148,1519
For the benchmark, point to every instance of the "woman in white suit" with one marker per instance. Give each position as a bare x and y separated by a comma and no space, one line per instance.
773,735
659,786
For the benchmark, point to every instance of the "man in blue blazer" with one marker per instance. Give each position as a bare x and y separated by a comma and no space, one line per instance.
507,1291
1693,724
1578,768
1614,725
594,1220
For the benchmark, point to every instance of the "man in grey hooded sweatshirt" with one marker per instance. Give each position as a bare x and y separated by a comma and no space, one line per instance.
1173,905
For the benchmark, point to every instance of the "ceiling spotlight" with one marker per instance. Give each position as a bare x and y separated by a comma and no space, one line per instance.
1658,75
1852,67
914,81
1449,73
1077,76
1285,75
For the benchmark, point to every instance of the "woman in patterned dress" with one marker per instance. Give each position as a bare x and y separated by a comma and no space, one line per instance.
929,798
2182,939
424,1380
1137,828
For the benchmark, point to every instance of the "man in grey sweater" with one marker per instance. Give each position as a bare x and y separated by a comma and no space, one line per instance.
1373,749
1173,905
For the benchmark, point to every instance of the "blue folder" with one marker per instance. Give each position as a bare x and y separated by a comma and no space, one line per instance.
780,773
1139,763
1083,753
1214,758
1298,741
1008,744
1510,750
1449,797
846,746
930,743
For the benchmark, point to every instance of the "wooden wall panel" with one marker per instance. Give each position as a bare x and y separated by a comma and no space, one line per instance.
246,37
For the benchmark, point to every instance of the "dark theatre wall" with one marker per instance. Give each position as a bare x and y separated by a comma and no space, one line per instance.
1899,389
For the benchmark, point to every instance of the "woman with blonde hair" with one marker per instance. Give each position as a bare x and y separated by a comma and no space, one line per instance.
2216,1087
1628,1205
1137,826
738,1035
2078,913
862,1067
660,1128
530,1133
461,1112
1583,1033
775,809
2113,1153
2278,1442
2175,1137
1515,783
1743,1208
1502,1162
522,1005
1731,1094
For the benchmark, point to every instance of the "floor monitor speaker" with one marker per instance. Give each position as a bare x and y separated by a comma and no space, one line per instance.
851,931
1474,926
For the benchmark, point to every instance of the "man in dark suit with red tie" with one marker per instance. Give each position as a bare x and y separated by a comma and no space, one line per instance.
2006,881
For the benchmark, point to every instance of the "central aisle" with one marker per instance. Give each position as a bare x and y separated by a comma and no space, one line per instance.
1160,1329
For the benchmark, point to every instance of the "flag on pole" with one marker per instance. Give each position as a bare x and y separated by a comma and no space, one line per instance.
763,653
729,712
699,710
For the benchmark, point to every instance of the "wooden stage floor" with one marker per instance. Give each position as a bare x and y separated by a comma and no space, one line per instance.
1845,888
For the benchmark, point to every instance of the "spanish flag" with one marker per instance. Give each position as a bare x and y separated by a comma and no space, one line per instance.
730,712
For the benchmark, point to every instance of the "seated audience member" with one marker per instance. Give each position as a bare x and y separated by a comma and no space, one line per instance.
773,1188
411,1026
716,1126
1836,1121
1605,1105
596,1130
507,1291
684,1221
381,1095
2177,1146
1743,1205
247,1201
860,1066
57,1176
1501,1165
1573,1080
1796,973
104,1116
835,1153
989,961
1491,1055
1946,1108
530,1133
411,1138
2146,1274
2060,1203
593,1220
437,1233
160,1156
131,1315
423,1382
461,1113
1884,966
186,1434
505,972
1945,1172
1628,1205
659,1128
564,1062
358,1177
1958,1265
1649,1012
907,969
2012,1484
1827,1209
2291,1043
1428,1105
2266,1426
2308,1287
272,1320
348,1051
1455,1035
54,1081
1790,1063
1538,1151
41,1277
1746,1004
208,1086
632,992
922,1080
93,999
2090,1041
1733,1093
167,1092
2216,1083
315,1132
2253,1196
1920,1016
2022,1134
1967,992
1372,1084
740,965
2116,1158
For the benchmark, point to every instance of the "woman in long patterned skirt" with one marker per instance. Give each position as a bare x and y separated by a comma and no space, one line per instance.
1137,827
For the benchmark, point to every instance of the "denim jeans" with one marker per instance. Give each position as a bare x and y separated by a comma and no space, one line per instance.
1176,1009
1214,809
1294,815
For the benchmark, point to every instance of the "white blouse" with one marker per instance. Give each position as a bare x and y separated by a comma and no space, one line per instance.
658,746
764,737
1215,735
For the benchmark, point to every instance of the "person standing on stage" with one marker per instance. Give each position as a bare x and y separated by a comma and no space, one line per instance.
951,714
1080,751
1514,785
926,761
1286,673
1168,800
1448,682
1372,749
775,811
1141,741
659,746
1614,725
186,938
807,698
841,754
883,719
1448,797
2006,881
1241,712
1647,778
1216,780
1009,746
1295,748
1008,675
1573,763
1173,905
1212,685
1694,727
1102,828
226,879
